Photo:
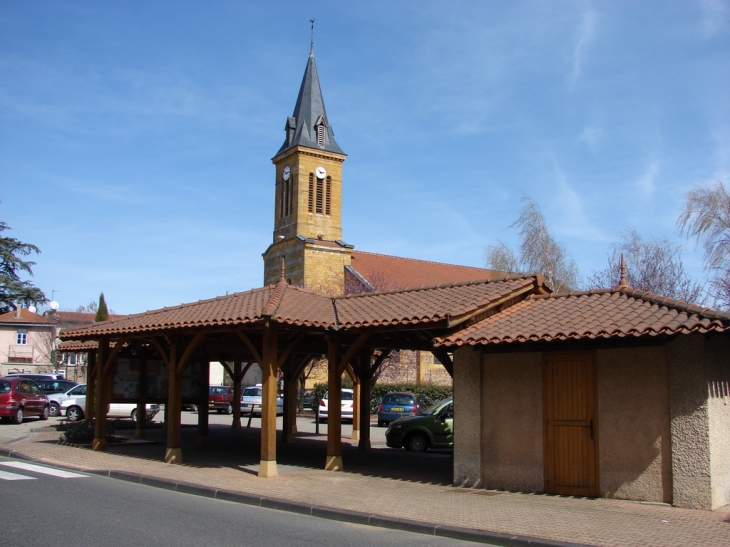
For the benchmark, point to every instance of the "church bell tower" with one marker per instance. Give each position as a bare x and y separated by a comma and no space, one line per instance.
308,198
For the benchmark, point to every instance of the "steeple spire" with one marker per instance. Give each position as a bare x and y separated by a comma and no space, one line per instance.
308,125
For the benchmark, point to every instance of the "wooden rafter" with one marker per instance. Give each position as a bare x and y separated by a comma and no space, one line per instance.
250,345
188,353
293,343
352,350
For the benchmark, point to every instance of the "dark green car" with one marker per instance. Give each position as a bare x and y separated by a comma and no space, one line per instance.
433,428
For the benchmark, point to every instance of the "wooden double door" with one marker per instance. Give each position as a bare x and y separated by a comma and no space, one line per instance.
571,430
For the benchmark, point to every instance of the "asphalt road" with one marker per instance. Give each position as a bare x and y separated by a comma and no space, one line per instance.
40,508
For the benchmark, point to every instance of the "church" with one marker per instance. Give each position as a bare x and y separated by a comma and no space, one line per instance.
308,214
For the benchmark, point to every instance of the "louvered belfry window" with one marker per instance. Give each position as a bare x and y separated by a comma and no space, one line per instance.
320,192
328,192
284,199
320,135
311,192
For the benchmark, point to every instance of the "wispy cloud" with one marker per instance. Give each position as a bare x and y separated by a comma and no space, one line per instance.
714,16
591,137
585,34
645,184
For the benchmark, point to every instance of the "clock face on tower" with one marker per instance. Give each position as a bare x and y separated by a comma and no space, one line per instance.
287,173
321,173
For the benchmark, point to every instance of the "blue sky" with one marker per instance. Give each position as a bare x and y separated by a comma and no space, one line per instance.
136,137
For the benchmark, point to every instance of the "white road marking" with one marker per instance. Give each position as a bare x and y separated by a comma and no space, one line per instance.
44,470
4,475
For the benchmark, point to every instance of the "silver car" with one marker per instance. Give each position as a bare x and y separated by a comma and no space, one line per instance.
251,399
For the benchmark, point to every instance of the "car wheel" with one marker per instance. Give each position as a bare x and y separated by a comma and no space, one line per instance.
194,408
228,409
46,412
74,413
19,415
55,410
416,443
322,420
134,415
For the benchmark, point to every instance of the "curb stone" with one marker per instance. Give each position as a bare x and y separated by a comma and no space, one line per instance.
342,515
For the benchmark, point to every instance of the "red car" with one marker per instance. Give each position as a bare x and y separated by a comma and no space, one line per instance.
220,398
20,397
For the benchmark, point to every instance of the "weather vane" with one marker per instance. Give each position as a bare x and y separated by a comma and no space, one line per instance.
311,41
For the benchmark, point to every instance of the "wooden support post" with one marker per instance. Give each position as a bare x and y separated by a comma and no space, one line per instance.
173,453
93,366
269,367
356,402
364,410
203,404
102,393
140,431
334,406
237,378
291,403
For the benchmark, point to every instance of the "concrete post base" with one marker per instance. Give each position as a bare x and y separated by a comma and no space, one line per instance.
333,463
364,444
236,424
267,469
355,435
203,441
98,445
173,455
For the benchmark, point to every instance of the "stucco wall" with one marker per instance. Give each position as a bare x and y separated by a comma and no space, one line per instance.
634,447
689,423
718,380
467,411
512,429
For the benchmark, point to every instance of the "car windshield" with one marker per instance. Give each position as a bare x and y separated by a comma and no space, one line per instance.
252,392
435,408
5,387
344,395
218,390
398,399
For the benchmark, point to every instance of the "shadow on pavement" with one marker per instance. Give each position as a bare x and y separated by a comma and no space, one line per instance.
240,449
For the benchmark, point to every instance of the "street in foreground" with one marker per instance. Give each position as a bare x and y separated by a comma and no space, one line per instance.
55,507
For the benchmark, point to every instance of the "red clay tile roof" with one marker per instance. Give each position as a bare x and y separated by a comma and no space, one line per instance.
394,272
26,316
297,306
427,304
594,314
73,346
283,303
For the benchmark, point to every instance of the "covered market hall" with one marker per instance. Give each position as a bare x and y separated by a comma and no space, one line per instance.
281,327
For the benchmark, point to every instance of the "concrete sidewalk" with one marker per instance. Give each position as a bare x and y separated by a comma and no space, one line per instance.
411,490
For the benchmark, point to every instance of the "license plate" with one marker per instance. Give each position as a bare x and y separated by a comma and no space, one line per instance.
211,405
398,409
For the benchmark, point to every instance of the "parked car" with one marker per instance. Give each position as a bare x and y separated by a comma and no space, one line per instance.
307,396
73,409
433,428
397,405
38,376
251,399
346,400
21,397
56,391
220,399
